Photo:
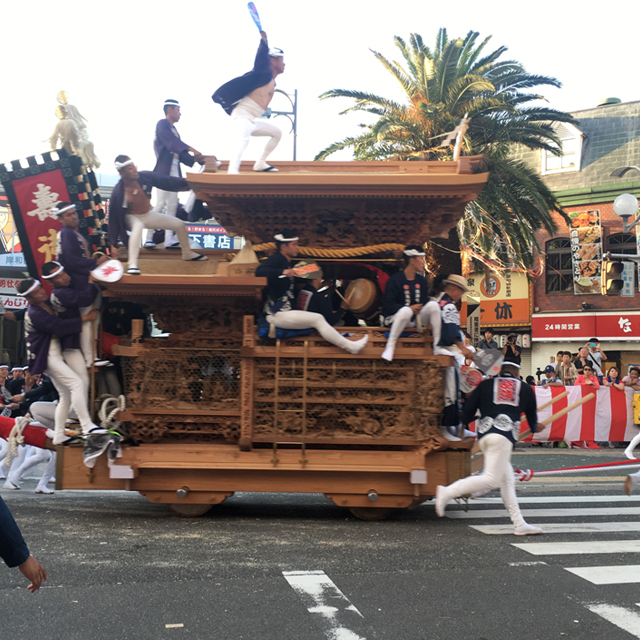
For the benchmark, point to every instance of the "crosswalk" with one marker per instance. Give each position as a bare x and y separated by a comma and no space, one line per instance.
574,527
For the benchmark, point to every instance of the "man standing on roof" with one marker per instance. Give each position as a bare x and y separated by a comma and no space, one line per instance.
246,98
170,152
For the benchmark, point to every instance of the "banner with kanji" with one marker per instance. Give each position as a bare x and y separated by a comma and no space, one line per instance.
33,190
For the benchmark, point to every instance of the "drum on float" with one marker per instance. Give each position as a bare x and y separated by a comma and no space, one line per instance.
364,297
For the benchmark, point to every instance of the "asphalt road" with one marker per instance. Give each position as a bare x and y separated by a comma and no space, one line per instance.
291,567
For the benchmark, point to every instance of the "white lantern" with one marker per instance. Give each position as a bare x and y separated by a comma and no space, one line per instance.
526,341
625,205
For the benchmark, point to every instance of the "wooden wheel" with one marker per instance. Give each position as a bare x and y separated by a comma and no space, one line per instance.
370,513
190,510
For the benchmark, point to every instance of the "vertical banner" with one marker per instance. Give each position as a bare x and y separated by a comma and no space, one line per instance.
33,190
586,251
628,277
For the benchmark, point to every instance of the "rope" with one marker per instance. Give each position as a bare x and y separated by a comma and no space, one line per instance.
16,438
527,474
336,253
113,406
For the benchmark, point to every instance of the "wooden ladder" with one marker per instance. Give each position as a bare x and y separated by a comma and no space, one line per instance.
276,403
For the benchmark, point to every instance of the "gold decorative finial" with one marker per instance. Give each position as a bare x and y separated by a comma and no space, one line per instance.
62,97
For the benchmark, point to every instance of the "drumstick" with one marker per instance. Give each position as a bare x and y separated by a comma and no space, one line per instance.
555,416
548,404
348,301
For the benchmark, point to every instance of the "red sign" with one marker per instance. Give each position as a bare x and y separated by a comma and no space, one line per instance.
611,325
36,196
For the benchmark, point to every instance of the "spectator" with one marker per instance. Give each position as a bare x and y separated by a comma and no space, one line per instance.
613,379
588,378
512,351
488,342
5,394
566,371
550,379
581,359
597,356
633,379
531,381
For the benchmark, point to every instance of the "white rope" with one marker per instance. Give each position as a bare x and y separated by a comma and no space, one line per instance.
16,438
110,408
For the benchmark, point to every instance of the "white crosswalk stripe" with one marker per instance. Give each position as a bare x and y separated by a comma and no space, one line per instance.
546,513
599,575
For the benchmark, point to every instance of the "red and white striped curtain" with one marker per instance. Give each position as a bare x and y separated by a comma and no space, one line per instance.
606,418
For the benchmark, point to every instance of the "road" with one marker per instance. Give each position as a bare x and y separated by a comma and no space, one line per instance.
288,566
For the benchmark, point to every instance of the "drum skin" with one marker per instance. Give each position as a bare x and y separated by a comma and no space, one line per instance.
364,297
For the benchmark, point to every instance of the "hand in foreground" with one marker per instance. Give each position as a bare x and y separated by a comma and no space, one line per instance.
115,253
415,308
32,570
17,398
9,315
467,353
102,259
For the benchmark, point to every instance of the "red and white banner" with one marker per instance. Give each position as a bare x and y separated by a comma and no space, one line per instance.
606,325
606,418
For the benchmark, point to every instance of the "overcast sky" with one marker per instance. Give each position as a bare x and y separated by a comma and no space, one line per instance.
120,60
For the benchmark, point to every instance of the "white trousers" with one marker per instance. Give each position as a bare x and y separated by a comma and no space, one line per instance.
45,413
497,472
167,202
17,460
87,333
244,124
297,320
36,457
402,319
153,220
69,375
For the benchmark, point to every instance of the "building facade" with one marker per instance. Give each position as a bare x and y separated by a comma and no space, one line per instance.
568,308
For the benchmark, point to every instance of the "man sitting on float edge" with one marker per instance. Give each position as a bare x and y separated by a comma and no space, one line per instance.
280,296
131,207
310,298
405,297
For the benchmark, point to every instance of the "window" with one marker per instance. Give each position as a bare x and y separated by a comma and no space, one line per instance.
571,145
559,268
623,243
627,244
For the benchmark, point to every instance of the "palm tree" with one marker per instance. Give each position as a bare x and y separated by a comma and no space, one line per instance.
442,86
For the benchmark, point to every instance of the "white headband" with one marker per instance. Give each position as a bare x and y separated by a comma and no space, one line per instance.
274,52
170,103
55,273
31,289
57,212
412,253
281,238
4,366
121,165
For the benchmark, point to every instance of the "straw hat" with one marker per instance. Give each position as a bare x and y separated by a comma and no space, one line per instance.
457,280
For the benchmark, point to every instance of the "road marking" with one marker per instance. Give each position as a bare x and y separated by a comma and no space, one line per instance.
580,527
546,513
333,612
555,499
525,564
624,574
584,547
626,619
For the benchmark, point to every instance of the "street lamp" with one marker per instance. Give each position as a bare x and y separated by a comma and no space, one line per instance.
626,205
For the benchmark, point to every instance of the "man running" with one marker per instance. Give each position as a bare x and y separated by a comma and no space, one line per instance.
246,98
501,401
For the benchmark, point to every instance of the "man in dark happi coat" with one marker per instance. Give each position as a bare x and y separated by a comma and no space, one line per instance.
53,345
170,152
246,98
131,207
280,298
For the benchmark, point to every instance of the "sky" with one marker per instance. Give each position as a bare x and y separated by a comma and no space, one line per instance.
119,61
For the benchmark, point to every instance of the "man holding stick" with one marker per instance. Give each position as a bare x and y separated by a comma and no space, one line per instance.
501,401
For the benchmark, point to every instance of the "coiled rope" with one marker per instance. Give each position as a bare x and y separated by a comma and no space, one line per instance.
336,253
109,409
16,438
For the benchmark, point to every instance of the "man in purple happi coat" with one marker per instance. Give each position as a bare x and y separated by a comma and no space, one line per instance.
74,256
53,346
246,98
170,152
130,206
